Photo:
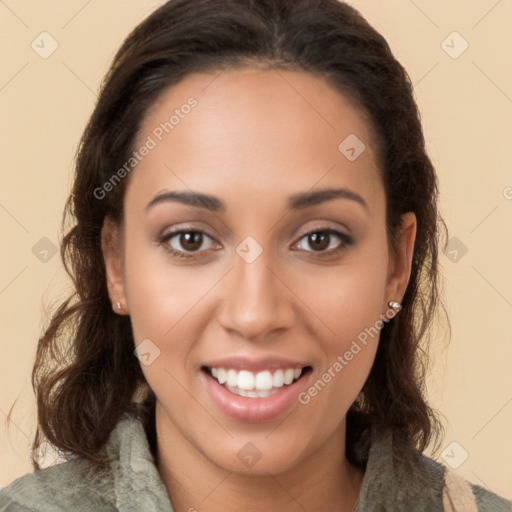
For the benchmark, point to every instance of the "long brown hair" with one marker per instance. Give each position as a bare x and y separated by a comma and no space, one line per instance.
85,373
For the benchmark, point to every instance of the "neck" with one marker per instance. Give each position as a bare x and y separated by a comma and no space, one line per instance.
324,480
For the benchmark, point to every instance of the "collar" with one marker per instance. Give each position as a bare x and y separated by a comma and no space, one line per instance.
399,485
137,483
389,484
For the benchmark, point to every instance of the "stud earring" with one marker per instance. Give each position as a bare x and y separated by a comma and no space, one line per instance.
395,305
119,305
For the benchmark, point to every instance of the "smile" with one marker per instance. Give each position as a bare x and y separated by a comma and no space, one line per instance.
255,385
255,392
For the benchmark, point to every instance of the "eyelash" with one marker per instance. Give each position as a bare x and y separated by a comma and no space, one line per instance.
345,241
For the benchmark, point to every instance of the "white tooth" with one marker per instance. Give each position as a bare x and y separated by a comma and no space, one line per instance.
252,394
264,393
221,375
264,380
232,377
242,392
288,376
214,372
245,380
297,373
278,378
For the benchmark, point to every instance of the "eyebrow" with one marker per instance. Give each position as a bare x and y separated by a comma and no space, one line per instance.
299,201
189,198
295,202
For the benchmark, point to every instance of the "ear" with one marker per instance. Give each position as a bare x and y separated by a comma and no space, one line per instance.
112,248
400,262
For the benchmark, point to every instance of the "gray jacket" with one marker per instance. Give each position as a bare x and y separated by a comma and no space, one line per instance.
133,484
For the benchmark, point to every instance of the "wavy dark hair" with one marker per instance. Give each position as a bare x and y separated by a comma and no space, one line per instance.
85,373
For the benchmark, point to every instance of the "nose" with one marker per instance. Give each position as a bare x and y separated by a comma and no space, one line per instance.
256,303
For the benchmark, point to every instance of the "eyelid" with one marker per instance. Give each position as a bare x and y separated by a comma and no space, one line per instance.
344,238
165,238
186,229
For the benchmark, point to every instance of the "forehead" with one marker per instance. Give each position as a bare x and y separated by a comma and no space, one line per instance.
257,130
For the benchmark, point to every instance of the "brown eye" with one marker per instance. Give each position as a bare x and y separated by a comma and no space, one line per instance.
323,241
319,241
191,241
188,242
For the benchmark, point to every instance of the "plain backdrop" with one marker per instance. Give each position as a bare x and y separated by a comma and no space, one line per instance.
459,57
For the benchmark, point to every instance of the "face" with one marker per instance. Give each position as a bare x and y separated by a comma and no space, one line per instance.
252,257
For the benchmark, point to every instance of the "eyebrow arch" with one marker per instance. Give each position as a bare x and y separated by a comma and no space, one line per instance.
299,201
295,202
189,198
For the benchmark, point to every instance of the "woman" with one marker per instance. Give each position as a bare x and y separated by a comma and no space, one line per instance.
254,250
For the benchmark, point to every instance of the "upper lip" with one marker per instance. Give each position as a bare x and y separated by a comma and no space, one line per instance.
255,364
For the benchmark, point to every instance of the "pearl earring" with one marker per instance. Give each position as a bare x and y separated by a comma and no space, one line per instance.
119,305
395,305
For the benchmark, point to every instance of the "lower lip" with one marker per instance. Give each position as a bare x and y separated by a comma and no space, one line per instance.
255,410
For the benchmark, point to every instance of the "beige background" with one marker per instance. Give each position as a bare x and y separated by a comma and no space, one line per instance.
466,105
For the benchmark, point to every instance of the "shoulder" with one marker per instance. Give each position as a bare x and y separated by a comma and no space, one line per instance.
419,483
460,494
488,501
71,485
129,482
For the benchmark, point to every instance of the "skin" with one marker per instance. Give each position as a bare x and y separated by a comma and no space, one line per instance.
256,137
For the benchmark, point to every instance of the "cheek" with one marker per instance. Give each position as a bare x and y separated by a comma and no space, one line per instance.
159,293
351,312
169,305
348,301
165,307
348,298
